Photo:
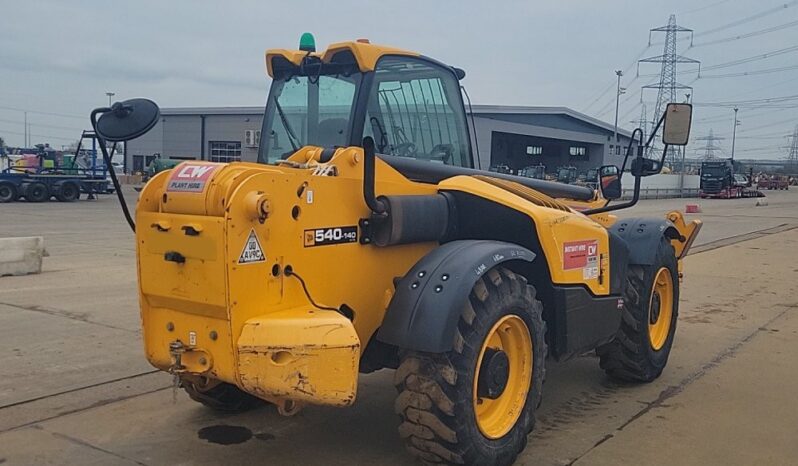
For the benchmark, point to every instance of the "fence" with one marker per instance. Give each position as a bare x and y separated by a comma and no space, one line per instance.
662,186
661,193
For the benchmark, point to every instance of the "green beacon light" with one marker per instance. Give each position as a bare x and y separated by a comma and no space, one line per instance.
307,43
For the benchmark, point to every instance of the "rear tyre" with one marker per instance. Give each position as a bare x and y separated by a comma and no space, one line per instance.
37,192
68,192
8,193
643,343
476,403
223,397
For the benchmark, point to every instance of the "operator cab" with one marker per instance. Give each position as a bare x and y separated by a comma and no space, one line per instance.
410,105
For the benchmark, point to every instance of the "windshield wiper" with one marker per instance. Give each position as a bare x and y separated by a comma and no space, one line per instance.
295,143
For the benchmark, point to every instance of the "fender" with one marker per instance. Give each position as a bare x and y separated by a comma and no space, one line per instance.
423,313
642,236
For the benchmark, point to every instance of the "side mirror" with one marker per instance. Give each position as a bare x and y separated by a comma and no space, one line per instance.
610,182
645,167
127,120
677,124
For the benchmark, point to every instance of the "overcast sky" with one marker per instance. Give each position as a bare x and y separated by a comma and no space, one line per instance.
61,56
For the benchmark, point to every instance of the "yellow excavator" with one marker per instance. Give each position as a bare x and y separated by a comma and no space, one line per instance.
364,239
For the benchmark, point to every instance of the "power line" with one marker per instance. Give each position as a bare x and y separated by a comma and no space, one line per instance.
64,115
733,103
750,73
612,84
73,128
38,135
702,8
750,59
748,18
743,60
746,35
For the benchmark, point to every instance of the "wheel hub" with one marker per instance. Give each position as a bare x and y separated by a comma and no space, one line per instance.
655,308
493,374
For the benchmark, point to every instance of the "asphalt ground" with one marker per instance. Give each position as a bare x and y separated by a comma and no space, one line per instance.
75,387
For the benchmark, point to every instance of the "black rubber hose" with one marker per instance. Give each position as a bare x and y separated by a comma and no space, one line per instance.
110,167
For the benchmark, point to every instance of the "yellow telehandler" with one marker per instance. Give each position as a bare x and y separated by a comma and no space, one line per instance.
364,239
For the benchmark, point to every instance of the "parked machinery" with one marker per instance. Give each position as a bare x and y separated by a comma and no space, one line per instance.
375,244
43,176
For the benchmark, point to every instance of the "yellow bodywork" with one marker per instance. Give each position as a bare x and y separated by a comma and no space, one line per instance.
214,242
366,54
251,325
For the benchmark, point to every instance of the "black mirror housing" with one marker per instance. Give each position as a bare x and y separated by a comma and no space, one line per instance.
645,167
126,120
610,182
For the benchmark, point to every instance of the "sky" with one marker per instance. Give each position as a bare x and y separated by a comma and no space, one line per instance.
58,58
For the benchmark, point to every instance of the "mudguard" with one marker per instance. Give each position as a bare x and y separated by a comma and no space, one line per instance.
423,313
642,236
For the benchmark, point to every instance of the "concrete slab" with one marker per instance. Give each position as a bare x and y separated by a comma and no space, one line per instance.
21,256
46,351
735,414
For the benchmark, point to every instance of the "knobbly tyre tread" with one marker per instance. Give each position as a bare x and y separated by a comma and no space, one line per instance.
435,390
629,357
223,397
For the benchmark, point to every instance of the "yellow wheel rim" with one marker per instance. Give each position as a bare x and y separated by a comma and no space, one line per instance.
495,417
660,309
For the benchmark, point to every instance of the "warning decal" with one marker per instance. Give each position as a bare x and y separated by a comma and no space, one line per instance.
252,251
581,255
190,177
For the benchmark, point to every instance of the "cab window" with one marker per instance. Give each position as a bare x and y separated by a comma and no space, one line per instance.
415,110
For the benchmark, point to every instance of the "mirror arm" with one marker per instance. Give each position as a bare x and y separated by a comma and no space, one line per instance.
654,131
110,167
609,208
664,154
636,193
629,147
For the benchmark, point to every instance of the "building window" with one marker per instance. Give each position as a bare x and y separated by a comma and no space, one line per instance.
617,150
534,150
141,162
577,151
225,151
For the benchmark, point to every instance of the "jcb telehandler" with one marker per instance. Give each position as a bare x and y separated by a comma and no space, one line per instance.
365,239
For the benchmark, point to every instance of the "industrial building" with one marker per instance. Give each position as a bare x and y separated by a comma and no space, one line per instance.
513,136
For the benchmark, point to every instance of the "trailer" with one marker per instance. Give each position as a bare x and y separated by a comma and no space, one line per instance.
64,180
772,182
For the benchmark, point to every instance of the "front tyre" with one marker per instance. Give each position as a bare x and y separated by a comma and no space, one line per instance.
643,343
475,404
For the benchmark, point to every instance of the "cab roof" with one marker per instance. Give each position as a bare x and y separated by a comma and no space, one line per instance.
362,53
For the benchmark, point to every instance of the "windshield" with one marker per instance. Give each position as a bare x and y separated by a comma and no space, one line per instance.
307,110
415,110
412,107
713,170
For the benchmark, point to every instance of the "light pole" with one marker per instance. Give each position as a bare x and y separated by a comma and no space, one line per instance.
110,94
734,131
618,93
